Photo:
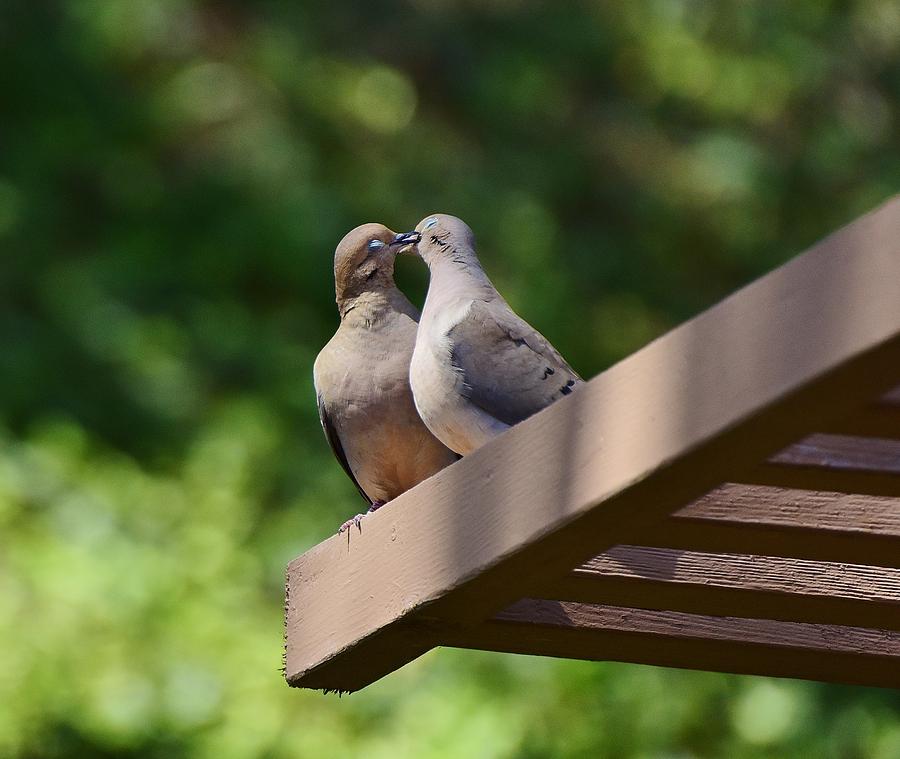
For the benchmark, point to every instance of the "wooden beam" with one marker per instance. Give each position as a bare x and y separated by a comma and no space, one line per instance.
849,481
737,585
835,653
756,519
815,338
840,463
843,452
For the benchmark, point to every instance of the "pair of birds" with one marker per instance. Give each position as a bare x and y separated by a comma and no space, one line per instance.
400,397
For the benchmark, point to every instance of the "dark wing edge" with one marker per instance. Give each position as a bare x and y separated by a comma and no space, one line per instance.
513,408
337,449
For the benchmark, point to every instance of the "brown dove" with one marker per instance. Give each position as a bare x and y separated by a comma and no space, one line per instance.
477,367
361,376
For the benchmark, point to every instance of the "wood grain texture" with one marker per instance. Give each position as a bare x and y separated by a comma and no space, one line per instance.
757,519
836,653
737,585
817,337
844,453
824,511
824,479
841,463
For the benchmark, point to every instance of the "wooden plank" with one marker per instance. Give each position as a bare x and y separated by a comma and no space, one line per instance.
809,341
842,654
756,519
814,478
737,585
840,463
843,453
748,505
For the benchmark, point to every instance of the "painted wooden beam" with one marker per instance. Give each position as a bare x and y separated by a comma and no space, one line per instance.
737,585
757,519
836,653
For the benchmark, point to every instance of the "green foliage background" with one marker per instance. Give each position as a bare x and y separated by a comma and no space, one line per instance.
174,175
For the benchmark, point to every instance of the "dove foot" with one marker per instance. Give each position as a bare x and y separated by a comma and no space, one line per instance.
358,518
350,522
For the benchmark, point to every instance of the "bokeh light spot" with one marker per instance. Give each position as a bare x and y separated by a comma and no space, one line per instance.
384,100
765,713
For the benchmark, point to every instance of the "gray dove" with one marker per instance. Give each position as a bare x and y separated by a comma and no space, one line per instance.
477,367
361,376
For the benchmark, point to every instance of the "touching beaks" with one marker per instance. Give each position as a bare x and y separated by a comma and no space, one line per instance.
407,238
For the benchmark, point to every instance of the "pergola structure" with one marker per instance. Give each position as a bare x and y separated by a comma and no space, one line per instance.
727,498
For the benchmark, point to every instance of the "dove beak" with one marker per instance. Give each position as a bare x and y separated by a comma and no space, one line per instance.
406,240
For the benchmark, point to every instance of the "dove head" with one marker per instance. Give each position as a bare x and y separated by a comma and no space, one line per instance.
364,262
441,235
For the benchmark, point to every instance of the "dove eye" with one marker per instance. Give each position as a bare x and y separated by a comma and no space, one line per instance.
429,223
375,245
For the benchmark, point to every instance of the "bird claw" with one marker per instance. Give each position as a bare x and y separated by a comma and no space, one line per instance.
358,519
350,522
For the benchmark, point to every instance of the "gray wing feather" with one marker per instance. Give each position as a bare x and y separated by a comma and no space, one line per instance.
334,441
509,370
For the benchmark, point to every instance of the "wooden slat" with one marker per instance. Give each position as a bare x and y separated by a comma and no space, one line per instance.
756,519
736,585
833,480
816,338
839,463
749,646
843,453
760,504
